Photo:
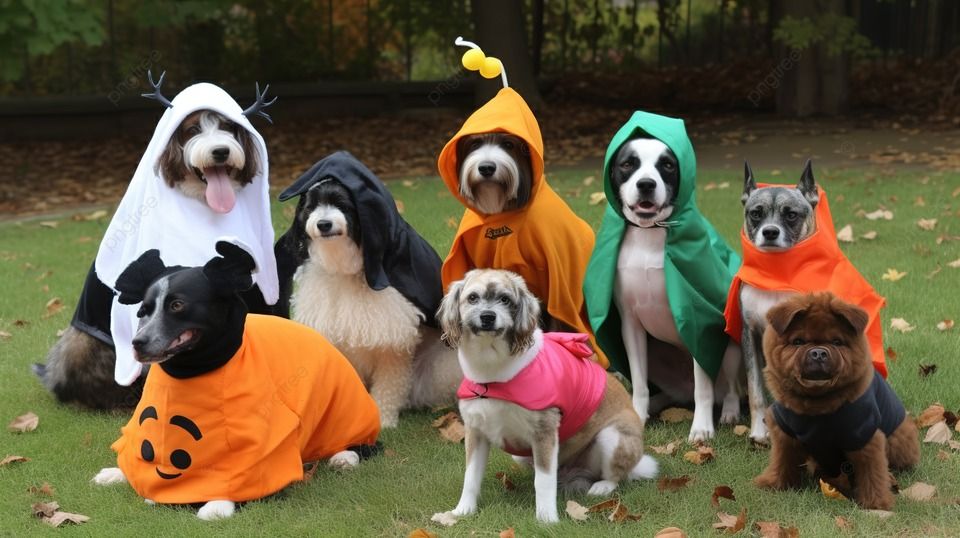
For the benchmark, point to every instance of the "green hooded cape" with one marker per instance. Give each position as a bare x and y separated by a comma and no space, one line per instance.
698,264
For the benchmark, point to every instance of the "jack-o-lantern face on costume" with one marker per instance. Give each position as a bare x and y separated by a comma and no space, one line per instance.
179,457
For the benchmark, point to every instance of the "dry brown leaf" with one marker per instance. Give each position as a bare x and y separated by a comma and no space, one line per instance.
45,509
668,449
508,533
721,492
891,354
955,263
608,504
954,445
870,236
772,529
59,518
672,484
939,434
945,325
724,185
24,423
587,181
701,455
597,198
927,369
900,324
731,524
882,514
13,459
843,523
927,224
919,491
447,519
401,208
577,511
884,214
893,275
421,533
621,513
408,183
943,455
99,214
505,481
49,224
919,201
4,335
450,427
740,430
43,489
845,235
670,532
53,306
452,223
710,186
676,414
930,416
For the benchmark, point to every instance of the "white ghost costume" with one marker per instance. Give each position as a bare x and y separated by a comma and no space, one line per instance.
153,215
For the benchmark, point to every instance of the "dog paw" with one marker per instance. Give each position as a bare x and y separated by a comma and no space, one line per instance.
700,434
108,476
447,519
391,420
215,510
149,502
345,459
730,413
547,514
768,480
602,487
875,500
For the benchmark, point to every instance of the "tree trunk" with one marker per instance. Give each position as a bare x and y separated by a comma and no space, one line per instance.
537,36
500,32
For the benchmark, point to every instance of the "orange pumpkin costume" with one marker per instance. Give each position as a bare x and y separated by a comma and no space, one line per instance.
545,242
243,431
814,264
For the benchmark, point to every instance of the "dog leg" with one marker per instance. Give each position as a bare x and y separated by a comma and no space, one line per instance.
478,450
109,476
345,459
752,355
871,477
635,342
214,510
903,446
546,448
730,369
787,457
390,387
702,427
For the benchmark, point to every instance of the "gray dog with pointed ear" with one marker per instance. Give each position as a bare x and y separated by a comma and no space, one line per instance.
775,219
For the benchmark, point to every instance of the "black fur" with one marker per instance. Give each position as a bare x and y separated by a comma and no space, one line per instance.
626,162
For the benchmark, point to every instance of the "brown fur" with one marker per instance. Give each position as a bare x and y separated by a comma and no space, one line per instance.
823,321
174,170
516,148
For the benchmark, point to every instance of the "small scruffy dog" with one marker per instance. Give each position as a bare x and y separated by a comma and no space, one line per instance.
494,171
370,284
535,393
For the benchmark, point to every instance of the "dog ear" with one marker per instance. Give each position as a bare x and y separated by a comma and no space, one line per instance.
170,164
749,184
448,315
852,314
781,316
808,185
251,160
232,271
527,317
137,277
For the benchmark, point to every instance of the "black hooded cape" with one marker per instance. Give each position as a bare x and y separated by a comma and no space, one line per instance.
394,254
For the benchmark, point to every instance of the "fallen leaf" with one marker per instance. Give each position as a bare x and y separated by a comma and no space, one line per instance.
4,335
891,354
604,505
400,206
49,224
20,323
508,533
83,239
884,214
927,224
452,223
668,449
587,181
845,234
945,325
927,369
45,509
831,492
672,484
701,455
882,514
893,275
710,186
447,519
59,518
597,198
870,236
577,511
54,306
731,524
930,416
724,185
954,445
24,423
450,427
775,172
772,529
13,459
955,263
43,275
505,481
939,434
919,201
721,492
408,183
421,533
943,455
670,532
99,214
843,523
900,324
740,430
676,414
919,491
43,489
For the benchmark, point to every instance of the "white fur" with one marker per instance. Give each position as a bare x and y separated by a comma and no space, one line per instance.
109,476
198,150
214,510
648,150
345,459
489,195
486,358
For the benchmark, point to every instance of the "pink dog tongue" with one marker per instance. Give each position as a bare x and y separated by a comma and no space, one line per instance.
220,195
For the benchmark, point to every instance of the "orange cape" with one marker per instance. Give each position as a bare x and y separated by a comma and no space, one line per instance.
545,242
243,431
814,264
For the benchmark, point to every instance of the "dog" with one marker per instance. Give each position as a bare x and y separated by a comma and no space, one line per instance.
370,284
507,399
199,168
830,403
234,403
495,172
644,177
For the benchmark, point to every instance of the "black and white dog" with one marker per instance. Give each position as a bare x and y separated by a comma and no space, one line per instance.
495,171
645,177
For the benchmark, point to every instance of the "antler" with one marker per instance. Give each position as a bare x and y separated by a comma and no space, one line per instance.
260,104
156,90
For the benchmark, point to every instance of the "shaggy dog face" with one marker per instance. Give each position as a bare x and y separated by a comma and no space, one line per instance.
209,158
495,172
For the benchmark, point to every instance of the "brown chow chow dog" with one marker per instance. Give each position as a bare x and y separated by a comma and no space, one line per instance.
831,406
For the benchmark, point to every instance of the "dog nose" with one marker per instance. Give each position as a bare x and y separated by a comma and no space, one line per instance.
139,342
771,232
817,354
221,153
487,319
487,168
324,225
646,185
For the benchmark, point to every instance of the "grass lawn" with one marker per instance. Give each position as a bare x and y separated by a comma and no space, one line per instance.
420,474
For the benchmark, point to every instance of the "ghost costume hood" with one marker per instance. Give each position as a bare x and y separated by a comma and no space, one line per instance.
814,264
394,254
153,215
698,264
544,241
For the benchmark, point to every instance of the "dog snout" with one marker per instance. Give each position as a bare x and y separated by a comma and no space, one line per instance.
646,185
770,232
487,319
817,354
140,343
220,153
487,168
324,225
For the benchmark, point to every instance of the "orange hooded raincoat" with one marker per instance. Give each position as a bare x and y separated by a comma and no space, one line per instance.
545,242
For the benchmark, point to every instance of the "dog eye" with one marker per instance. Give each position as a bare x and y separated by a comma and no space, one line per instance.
193,129
507,144
798,341
177,305
473,298
475,144
504,300
756,214
837,342
627,164
669,166
791,216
